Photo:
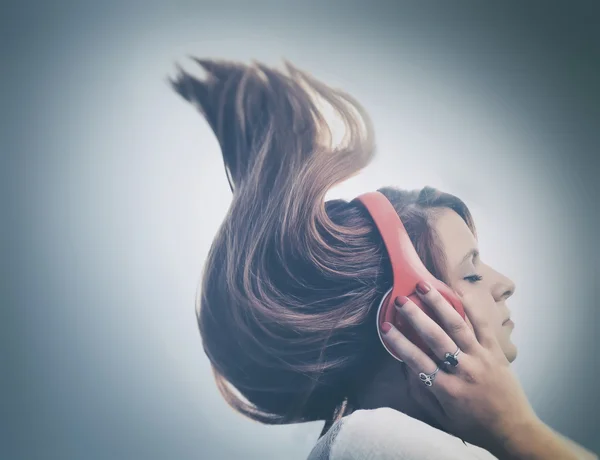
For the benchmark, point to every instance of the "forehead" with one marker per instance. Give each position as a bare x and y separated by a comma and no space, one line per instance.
454,236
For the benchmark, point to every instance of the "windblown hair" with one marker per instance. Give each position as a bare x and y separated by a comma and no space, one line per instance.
287,302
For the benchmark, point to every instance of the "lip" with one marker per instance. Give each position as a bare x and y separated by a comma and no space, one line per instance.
508,322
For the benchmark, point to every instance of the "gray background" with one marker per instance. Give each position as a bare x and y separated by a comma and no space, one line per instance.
113,187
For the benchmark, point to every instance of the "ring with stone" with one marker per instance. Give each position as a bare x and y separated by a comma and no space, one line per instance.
451,359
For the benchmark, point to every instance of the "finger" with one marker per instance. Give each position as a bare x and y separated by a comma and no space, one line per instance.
454,324
415,358
432,333
482,328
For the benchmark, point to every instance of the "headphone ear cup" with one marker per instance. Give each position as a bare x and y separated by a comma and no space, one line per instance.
390,314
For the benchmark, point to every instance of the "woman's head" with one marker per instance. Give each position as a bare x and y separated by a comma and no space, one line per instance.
291,282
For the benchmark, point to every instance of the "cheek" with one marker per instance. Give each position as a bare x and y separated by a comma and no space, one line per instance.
480,293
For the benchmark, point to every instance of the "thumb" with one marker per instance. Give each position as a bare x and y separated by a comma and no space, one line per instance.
477,319
460,294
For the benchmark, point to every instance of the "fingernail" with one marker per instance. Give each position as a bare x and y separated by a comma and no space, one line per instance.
423,287
385,327
400,301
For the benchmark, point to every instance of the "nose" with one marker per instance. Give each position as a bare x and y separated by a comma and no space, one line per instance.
503,287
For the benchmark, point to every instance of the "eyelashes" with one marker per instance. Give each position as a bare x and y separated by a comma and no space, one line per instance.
473,278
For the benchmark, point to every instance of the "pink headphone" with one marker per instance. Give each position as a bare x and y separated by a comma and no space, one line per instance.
407,268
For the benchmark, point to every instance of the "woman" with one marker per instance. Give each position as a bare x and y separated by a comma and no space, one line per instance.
291,286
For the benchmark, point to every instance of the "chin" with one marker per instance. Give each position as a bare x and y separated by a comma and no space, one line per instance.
510,352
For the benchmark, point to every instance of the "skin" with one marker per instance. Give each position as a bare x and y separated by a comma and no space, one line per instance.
494,288
459,402
391,387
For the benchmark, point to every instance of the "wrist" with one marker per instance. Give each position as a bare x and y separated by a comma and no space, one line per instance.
533,439
524,439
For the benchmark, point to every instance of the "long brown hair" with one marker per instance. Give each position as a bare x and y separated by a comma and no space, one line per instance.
286,305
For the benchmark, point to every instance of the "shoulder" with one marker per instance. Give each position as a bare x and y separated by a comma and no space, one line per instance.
386,433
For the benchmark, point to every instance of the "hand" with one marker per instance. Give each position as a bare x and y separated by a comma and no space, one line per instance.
480,400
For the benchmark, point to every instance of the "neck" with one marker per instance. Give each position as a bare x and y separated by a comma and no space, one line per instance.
389,388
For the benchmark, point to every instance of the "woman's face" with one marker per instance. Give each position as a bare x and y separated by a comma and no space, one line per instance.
467,273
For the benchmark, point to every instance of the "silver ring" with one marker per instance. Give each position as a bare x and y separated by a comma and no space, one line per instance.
451,359
428,379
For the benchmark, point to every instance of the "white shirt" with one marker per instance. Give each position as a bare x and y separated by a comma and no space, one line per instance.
388,434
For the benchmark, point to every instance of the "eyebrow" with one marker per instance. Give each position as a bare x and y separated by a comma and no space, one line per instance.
473,253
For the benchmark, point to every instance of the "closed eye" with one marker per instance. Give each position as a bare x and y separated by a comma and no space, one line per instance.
473,278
